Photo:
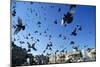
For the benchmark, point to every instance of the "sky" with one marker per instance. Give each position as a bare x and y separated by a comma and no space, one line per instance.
47,14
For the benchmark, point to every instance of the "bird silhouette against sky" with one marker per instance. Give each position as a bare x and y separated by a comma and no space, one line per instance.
19,26
68,17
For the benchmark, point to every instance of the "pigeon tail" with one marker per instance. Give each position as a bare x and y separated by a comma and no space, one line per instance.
23,27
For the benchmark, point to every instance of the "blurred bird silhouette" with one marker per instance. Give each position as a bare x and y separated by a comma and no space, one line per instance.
38,40
44,51
80,28
29,50
59,10
38,22
74,32
14,12
33,47
68,17
60,35
19,26
40,33
36,32
75,47
14,26
29,45
57,51
72,6
22,42
29,34
31,3
64,37
55,21
72,42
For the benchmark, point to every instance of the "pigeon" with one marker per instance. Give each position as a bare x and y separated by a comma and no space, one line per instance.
72,42
36,32
29,50
64,38
59,9
26,37
55,21
36,14
62,51
31,10
44,51
75,47
14,39
38,40
29,45
40,33
50,44
74,32
77,25
68,18
50,36
80,28
14,26
60,35
19,26
72,6
85,46
29,34
39,22
33,47
14,12
48,54
45,31
22,42
50,48
31,3
57,50
52,6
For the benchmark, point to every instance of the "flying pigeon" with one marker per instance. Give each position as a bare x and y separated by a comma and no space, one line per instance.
44,51
36,32
74,33
72,6
19,26
22,42
31,3
29,34
68,18
55,21
72,42
29,45
14,12
33,47
38,40
80,28
59,9
60,35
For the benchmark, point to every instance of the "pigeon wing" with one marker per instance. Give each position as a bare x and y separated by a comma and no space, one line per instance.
19,21
17,30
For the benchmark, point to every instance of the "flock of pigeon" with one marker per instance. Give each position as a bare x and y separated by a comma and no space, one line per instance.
67,19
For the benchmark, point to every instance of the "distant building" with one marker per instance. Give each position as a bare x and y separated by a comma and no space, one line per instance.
92,54
19,56
41,59
73,56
